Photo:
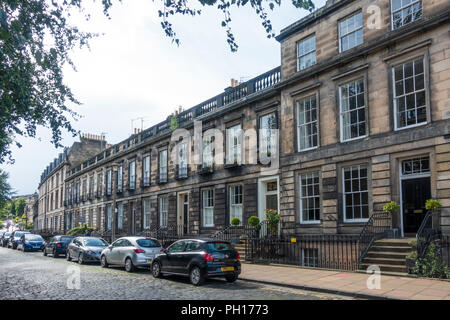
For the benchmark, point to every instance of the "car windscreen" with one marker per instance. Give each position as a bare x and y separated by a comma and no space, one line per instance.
7,234
18,234
95,242
148,243
219,246
66,239
33,237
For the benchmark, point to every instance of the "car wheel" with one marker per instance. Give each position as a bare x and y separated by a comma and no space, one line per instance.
129,267
44,253
231,277
68,258
156,270
55,255
80,258
103,262
196,276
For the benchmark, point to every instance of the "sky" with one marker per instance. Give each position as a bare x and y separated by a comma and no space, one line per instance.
132,70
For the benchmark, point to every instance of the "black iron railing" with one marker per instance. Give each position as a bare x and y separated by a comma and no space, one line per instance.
376,228
319,251
428,232
238,233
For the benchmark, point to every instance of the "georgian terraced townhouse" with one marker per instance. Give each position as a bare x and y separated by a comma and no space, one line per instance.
362,104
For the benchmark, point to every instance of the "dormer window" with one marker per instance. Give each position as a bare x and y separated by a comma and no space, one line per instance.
306,53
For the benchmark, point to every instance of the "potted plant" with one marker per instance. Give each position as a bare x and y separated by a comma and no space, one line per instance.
235,222
411,261
434,206
391,208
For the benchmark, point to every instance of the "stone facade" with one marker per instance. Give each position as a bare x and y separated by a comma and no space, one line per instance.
311,187
52,187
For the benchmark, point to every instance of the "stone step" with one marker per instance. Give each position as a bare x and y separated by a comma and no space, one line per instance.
392,243
387,268
384,261
393,249
388,255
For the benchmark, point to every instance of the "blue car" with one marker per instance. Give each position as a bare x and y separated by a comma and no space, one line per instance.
30,242
57,245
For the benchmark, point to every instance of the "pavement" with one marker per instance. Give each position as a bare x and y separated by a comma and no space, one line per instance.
352,284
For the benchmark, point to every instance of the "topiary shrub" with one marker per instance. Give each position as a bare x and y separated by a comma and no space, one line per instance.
253,221
235,221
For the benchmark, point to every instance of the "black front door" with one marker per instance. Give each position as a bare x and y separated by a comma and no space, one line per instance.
415,192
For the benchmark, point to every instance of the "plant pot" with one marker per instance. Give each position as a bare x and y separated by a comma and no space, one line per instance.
410,264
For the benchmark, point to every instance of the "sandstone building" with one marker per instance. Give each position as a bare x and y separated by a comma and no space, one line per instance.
362,104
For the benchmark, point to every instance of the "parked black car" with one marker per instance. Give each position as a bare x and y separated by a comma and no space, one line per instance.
15,238
4,239
198,259
86,249
57,245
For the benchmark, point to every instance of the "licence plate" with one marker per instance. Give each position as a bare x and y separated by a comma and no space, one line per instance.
149,260
227,268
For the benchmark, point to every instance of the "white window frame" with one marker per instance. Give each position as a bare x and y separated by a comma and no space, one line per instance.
355,30
308,257
132,175
234,144
120,178
162,159
207,151
207,208
234,205
109,182
307,197
146,170
344,193
342,113
163,211
304,54
305,124
395,97
413,2
108,217
147,214
267,139
182,159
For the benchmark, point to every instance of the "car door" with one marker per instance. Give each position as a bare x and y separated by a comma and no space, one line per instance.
113,254
74,248
174,256
192,248
123,250
21,242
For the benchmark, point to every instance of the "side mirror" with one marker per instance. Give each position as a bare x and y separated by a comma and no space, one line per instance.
110,247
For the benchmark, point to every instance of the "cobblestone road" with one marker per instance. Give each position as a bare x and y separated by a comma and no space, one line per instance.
33,276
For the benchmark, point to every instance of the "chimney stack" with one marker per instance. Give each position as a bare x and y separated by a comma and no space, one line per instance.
234,83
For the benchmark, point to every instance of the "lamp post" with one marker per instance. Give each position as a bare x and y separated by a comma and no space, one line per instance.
114,191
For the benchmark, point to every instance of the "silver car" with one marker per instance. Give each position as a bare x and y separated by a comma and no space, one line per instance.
131,252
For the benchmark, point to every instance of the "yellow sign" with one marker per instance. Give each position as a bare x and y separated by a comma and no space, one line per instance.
293,239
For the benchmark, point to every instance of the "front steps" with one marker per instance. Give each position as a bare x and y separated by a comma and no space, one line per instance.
388,254
241,249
